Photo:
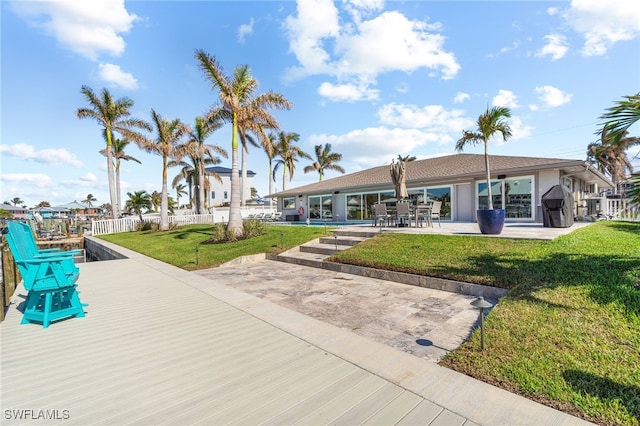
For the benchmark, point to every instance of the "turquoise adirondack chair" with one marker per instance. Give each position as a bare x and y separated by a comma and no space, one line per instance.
48,277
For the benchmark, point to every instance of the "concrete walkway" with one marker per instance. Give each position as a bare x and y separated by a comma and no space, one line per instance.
163,345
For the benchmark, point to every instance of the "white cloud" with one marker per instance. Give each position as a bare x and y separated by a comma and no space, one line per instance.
375,146
89,177
552,97
556,47
35,179
519,130
244,30
85,27
347,92
552,11
434,118
116,77
24,151
461,97
603,23
400,44
506,98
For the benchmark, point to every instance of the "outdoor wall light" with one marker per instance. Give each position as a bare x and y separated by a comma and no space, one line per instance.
482,305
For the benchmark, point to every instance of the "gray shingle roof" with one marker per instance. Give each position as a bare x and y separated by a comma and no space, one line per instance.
436,170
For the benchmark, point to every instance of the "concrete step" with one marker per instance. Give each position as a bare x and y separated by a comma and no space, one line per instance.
364,233
313,260
326,249
342,241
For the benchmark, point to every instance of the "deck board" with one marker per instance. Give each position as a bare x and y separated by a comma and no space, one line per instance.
152,350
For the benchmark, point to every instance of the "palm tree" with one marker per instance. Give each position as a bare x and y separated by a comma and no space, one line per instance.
166,144
245,110
16,200
325,160
610,155
180,190
137,201
89,199
406,158
190,172
118,154
113,116
156,200
619,118
289,154
492,121
199,151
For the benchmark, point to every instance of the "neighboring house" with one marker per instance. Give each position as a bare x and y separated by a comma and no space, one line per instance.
80,209
17,211
220,192
518,184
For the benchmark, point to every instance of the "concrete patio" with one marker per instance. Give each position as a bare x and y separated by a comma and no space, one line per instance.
160,345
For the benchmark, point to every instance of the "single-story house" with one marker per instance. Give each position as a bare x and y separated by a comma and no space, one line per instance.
459,181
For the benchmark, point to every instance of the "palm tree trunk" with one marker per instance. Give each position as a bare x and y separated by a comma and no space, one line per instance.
270,182
164,200
243,202
284,177
118,185
110,173
202,208
486,166
235,218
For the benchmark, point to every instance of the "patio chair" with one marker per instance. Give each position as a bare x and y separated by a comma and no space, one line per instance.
403,212
49,280
25,243
423,213
275,217
435,211
380,214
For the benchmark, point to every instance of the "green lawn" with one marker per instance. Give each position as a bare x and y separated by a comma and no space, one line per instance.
568,332
566,335
178,247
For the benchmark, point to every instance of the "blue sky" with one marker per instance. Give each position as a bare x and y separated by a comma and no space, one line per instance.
374,78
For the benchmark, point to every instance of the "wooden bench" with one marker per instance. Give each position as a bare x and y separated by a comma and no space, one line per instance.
49,276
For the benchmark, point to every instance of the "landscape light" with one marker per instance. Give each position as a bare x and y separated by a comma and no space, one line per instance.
482,305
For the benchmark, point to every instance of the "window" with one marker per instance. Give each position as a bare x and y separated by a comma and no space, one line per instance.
289,203
514,195
321,207
441,193
226,194
213,195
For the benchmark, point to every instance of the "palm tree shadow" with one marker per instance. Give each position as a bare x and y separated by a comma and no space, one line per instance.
605,389
608,278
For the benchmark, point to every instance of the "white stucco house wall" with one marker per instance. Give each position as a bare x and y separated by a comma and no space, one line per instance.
219,192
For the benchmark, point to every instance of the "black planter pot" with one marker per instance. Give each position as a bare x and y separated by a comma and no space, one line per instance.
491,221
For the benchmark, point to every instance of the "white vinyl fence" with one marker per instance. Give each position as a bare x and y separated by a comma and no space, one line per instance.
621,208
128,224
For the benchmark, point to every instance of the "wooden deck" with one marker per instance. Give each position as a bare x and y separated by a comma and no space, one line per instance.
160,345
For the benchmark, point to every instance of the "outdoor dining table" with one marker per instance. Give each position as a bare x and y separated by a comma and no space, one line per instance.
425,211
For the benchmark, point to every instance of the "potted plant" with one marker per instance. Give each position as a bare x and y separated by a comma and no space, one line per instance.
492,121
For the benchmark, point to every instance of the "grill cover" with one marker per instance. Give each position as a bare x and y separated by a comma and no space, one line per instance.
557,207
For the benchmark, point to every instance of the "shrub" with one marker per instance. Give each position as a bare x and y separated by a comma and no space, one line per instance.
252,228
147,226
